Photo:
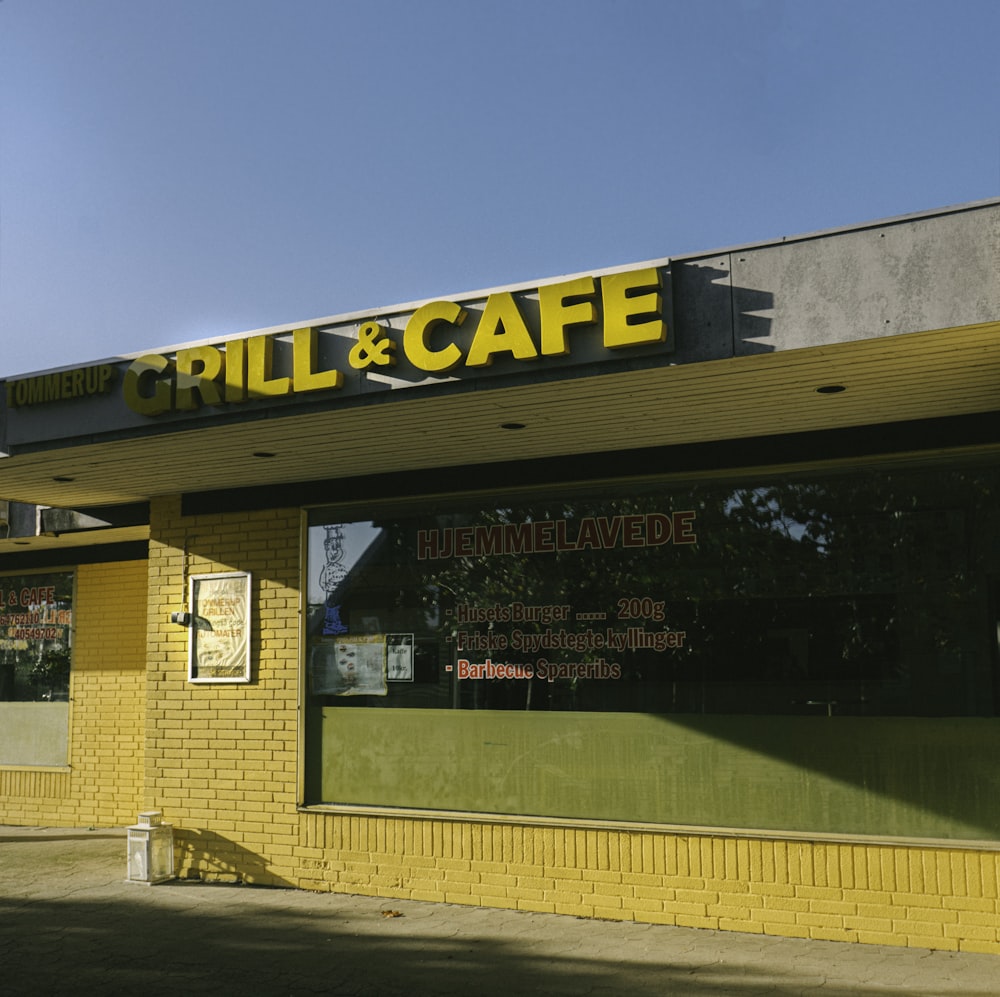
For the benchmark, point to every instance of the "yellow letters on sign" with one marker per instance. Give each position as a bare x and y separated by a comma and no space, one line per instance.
561,306
628,299
625,308
145,373
501,330
418,330
305,350
260,384
236,370
373,347
197,369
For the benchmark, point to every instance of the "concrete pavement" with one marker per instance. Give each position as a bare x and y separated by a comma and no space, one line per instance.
71,924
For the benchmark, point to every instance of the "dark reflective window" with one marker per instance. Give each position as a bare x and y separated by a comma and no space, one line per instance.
36,627
864,593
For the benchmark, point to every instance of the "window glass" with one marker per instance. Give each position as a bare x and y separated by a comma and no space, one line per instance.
36,626
826,595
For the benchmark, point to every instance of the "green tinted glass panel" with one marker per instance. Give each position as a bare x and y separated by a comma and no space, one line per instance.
659,652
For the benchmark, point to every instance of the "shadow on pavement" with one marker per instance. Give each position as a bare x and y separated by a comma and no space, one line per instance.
70,925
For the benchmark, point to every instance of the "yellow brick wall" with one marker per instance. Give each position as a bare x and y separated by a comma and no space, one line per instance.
103,784
937,898
221,763
221,759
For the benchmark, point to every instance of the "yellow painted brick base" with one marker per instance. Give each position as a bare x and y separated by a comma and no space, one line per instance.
939,898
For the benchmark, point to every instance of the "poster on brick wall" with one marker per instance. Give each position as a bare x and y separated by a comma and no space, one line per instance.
219,628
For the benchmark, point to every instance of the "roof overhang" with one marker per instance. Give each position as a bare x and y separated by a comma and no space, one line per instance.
935,374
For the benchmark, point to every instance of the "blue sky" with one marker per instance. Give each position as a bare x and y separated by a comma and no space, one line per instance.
186,170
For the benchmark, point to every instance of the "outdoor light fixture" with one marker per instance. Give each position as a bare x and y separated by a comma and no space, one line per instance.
181,619
150,849
831,389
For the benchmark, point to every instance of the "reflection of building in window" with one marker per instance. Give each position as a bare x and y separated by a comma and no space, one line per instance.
788,653
36,628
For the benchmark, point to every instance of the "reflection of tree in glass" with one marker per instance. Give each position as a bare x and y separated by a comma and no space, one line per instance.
858,578
861,589
50,674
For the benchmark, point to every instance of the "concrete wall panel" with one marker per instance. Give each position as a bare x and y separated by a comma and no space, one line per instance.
910,276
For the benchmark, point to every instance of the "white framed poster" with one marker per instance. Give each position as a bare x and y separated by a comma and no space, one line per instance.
219,627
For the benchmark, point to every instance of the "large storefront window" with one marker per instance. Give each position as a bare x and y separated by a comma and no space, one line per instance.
36,632
833,596
829,596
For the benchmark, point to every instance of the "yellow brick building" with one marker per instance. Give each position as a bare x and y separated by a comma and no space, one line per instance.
667,593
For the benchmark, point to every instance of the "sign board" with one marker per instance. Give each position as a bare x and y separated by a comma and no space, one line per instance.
219,629
542,331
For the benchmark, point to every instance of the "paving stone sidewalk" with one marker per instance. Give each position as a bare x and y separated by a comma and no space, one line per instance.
70,924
